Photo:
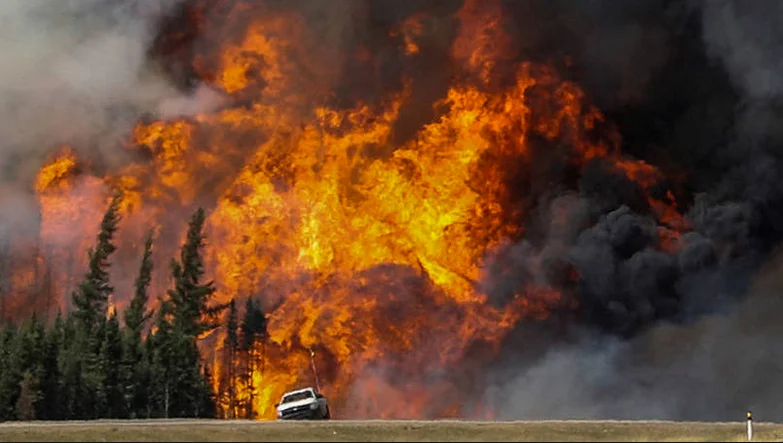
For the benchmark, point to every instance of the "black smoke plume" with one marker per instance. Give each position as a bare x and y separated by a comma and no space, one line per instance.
693,87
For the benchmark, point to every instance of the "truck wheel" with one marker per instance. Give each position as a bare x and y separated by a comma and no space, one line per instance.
328,415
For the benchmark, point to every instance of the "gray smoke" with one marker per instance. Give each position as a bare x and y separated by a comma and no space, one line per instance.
662,335
77,72
747,37
713,369
691,335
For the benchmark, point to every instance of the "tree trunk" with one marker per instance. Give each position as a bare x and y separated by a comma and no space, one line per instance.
231,390
251,366
25,404
166,401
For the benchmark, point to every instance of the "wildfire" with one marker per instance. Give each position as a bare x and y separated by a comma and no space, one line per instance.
369,252
71,207
54,173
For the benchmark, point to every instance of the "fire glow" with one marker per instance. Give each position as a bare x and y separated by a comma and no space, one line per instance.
367,251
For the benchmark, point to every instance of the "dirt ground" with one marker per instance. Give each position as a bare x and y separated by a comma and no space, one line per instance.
339,430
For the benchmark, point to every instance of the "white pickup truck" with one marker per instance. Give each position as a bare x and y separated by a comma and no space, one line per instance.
302,404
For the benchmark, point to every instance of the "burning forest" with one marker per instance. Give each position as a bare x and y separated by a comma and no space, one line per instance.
459,208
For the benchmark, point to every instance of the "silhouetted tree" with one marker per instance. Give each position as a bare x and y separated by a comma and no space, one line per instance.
111,360
230,355
253,335
136,368
82,362
191,298
92,296
51,406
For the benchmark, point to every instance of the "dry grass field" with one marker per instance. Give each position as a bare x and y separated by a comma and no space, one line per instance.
338,430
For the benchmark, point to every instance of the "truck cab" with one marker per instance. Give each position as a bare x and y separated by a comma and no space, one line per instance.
303,404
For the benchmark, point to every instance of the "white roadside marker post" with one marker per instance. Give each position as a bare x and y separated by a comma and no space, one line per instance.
750,426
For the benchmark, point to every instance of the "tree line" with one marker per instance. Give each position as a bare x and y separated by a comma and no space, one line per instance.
88,364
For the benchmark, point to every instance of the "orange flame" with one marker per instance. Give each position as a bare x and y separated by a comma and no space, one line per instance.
367,251
71,209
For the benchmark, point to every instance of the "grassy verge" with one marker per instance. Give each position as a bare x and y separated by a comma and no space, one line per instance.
206,430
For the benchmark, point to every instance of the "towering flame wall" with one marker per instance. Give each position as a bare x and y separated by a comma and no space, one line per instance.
375,226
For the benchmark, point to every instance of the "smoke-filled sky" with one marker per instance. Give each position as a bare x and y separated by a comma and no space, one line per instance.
695,89
77,72
693,86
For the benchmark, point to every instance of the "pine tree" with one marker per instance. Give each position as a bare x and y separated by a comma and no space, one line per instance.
177,383
148,408
254,325
24,351
137,315
190,297
93,400
191,387
208,403
34,371
72,388
136,367
29,396
177,378
10,375
253,331
51,405
111,359
231,350
188,388
160,352
83,369
70,370
92,296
